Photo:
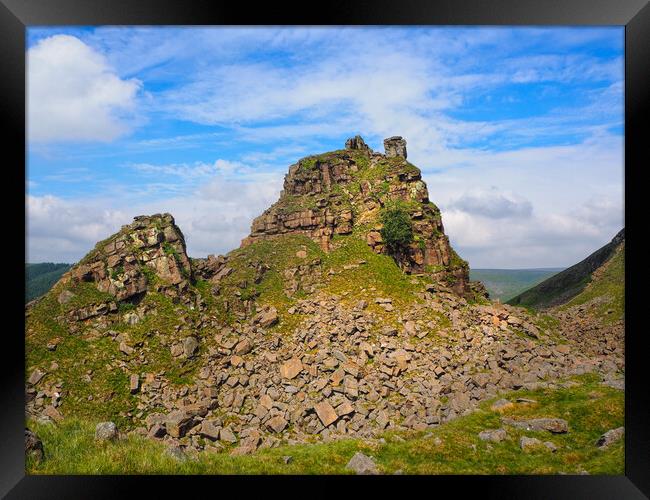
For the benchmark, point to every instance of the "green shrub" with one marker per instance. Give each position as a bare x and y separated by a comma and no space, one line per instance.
397,230
117,271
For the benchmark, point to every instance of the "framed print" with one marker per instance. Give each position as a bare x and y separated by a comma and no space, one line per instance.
388,241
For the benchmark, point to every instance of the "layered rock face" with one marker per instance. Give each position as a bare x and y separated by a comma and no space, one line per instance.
344,191
117,265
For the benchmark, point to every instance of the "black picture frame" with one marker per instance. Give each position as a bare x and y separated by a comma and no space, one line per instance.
16,15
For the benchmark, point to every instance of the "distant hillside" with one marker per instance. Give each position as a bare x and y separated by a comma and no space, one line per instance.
39,278
504,284
605,294
564,286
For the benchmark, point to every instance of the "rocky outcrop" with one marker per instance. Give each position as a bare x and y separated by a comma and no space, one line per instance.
395,146
119,265
358,143
345,191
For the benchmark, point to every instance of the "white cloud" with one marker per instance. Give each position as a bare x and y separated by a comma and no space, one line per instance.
575,193
492,204
73,93
214,214
546,206
64,231
560,238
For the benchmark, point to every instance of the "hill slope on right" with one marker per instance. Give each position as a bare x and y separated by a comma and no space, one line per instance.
599,275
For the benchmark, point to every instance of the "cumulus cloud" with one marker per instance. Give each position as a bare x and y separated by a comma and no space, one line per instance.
214,214
74,94
63,231
215,217
555,239
492,204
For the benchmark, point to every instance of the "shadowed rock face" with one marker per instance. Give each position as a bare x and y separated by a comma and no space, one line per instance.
344,191
116,264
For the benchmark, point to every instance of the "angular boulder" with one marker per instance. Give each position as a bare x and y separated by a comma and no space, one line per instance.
325,413
178,423
493,435
106,431
611,436
291,368
362,464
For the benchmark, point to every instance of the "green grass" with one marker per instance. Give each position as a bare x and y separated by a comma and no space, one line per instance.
76,355
85,294
79,352
590,408
565,286
607,290
379,272
380,275
278,254
293,203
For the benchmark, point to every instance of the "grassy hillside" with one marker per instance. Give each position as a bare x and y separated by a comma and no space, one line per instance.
453,448
39,278
566,285
504,284
606,292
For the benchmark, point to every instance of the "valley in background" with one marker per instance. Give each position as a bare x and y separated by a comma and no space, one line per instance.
504,284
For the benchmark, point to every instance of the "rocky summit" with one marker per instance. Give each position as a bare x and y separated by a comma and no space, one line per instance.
314,329
343,192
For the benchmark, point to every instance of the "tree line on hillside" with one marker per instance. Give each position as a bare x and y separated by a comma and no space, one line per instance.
39,278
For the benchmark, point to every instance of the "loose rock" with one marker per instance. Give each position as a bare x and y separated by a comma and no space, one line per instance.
33,446
325,413
105,431
611,436
362,464
494,435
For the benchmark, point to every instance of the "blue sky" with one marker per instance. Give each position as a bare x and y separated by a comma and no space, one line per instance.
518,131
